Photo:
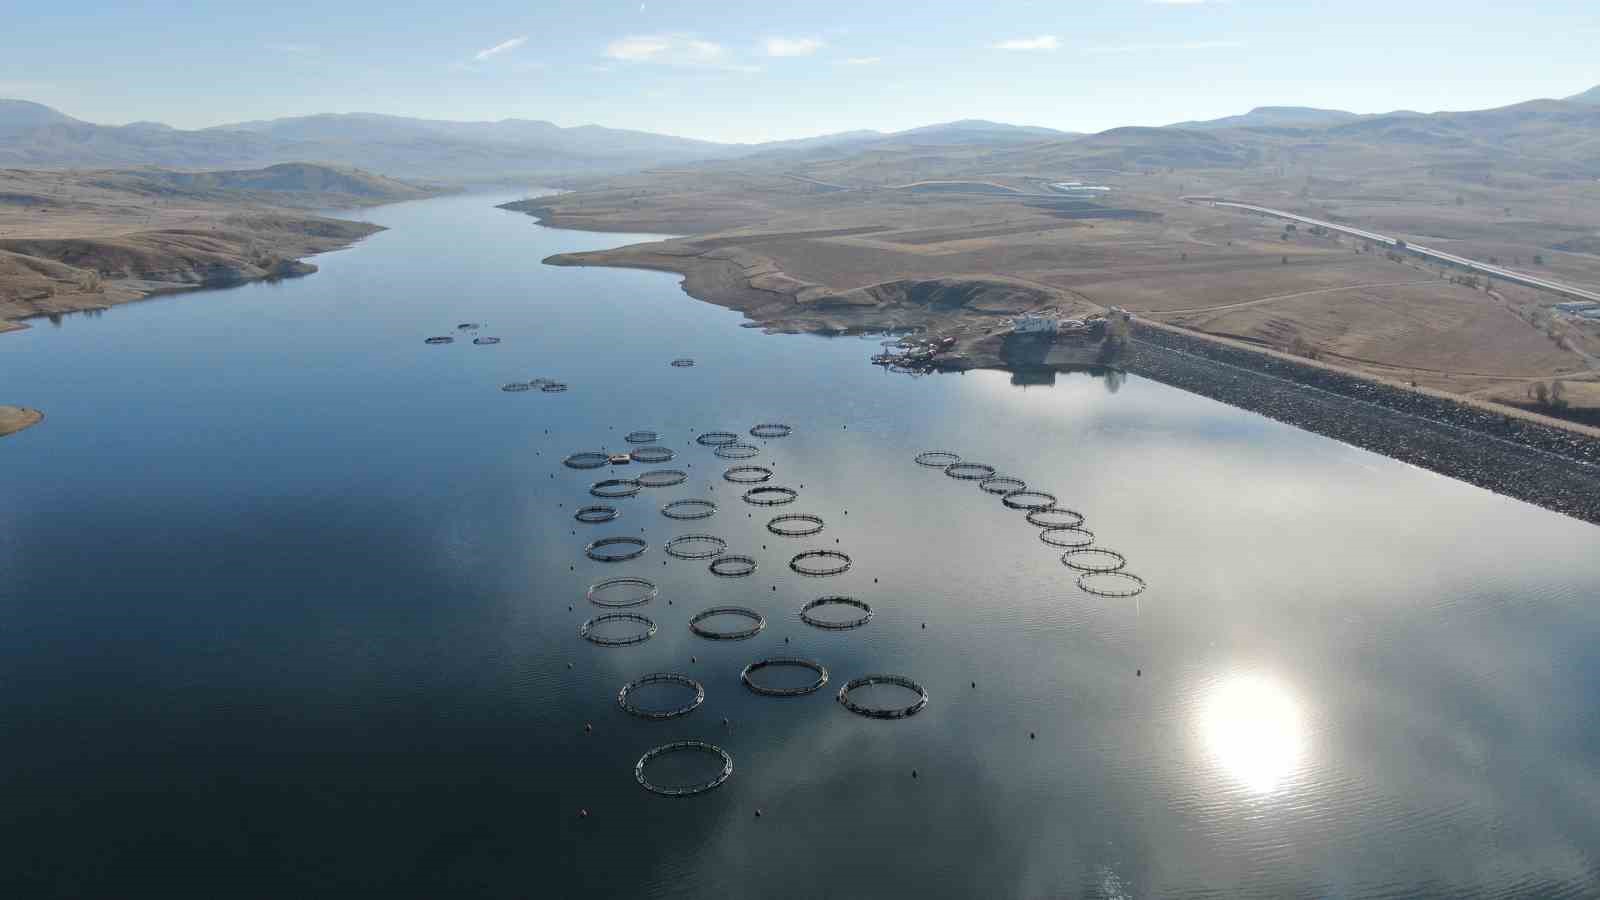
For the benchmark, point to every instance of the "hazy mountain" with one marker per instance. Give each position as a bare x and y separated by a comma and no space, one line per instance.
286,184
1276,117
1592,95
18,115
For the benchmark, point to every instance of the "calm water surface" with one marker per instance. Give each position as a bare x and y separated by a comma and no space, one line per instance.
290,601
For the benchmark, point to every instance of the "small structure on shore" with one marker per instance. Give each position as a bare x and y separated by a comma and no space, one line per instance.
1032,323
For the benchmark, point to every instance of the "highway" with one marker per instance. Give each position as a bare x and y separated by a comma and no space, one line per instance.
1509,275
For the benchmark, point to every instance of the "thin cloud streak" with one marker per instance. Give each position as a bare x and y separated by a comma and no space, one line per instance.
778,46
499,48
1041,42
862,61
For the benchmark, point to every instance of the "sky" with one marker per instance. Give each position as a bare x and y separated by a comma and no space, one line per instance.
739,71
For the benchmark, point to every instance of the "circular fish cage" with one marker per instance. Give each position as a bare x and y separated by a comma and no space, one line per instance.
785,661
552,387
689,509
516,387
688,790
596,514
659,478
937,459
586,460
747,474
684,363
1094,560
625,701
802,564
1111,584
738,451
1067,536
587,630
613,488
651,454
682,547
468,326
604,593
1055,517
486,341
1002,484
599,550
771,430
757,620
439,339
733,566
872,712
717,439
770,495
833,624
806,525
966,471
642,437
1029,500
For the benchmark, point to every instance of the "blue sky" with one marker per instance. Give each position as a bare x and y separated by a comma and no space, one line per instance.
758,71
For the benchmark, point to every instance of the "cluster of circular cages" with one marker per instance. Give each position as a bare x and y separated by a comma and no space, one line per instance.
1100,569
547,385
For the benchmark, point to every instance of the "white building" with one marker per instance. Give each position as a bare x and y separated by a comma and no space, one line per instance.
1034,325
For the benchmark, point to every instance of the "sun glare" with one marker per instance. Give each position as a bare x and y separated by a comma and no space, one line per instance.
1253,729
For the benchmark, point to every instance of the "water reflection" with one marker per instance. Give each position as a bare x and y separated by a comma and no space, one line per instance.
1253,728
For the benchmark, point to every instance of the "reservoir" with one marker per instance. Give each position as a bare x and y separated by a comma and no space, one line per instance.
290,606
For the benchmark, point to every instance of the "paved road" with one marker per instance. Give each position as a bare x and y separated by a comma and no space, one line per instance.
1470,265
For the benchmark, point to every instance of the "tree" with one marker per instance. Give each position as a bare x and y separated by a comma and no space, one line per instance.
1538,259
1286,260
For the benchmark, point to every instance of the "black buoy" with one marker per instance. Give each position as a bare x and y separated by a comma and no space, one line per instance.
1032,736
1137,673
569,665
974,684
758,812
694,659
583,814
587,728
913,773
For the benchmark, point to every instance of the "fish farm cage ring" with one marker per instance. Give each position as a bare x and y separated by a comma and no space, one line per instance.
760,622
1055,517
771,430
1067,536
770,496
689,509
969,471
615,487
598,593
733,566
809,525
596,514
469,326
793,661
586,630
830,624
872,712
552,387
538,381
683,363
656,478
661,678
1094,559
1029,500
441,339
738,451
747,474
688,790
717,439
1111,584
485,341
1002,484
938,459
841,565
678,547
642,437
516,387
596,550
587,460
652,454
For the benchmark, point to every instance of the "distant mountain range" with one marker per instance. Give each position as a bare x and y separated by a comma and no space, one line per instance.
1566,133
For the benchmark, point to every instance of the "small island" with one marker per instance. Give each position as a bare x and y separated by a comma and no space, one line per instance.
17,418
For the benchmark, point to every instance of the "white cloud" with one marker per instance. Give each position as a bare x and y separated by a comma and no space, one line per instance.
792,46
1186,45
1042,42
499,48
863,60
671,49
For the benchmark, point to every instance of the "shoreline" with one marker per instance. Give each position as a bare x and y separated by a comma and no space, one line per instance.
1487,446
18,418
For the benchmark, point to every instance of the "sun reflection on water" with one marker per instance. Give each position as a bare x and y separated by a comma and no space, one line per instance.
1253,729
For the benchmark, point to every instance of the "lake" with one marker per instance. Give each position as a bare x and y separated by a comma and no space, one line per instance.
291,607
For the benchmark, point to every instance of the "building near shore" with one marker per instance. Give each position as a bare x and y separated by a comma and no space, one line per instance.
1031,324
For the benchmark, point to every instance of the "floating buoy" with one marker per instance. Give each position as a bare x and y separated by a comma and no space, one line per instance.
1032,736
913,773
758,812
1137,673
587,728
974,684
694,659
583,814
